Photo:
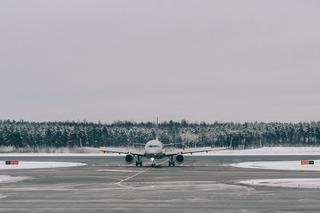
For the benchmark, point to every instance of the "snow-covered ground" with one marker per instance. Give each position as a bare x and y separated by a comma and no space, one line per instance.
279,165
54,154
265,151
10,179
38,165
312,183
2,196
227,152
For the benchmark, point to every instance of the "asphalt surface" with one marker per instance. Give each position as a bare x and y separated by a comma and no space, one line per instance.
107,184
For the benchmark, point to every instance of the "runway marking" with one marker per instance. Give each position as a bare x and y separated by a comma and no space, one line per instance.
114,170
135,175
130,177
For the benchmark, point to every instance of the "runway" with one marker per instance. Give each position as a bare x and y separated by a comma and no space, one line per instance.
201,184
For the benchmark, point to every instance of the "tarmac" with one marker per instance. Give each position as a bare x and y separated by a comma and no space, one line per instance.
201,184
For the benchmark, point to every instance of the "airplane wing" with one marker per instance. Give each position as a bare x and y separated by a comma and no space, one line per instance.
171,144
191,150
122,150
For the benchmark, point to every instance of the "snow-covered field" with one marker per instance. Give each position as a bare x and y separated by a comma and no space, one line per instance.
312,183
279,165
38,165
10,179
265,151
54,154
282,182
227,152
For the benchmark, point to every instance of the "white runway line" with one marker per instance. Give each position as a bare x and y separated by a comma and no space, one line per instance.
114,170
132,176
135,175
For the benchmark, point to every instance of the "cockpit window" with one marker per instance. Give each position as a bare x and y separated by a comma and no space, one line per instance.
153,146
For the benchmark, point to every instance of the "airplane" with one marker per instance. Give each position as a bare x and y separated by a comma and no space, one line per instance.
155,149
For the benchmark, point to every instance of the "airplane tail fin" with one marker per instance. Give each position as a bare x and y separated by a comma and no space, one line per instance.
157,129
80,143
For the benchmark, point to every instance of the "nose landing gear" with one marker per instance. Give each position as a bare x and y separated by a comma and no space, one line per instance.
153,162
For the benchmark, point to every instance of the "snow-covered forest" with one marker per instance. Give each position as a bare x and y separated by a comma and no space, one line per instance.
32,136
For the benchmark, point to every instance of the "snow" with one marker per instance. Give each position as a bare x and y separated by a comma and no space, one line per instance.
38,165
2,196
264,151
56,154
10,179
311,183
279,165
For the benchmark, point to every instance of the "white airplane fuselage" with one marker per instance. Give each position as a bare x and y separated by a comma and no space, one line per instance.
154,149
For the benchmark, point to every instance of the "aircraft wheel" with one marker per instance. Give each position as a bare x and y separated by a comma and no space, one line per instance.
171,163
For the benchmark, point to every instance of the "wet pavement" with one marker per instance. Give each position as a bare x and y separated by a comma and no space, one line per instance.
108,184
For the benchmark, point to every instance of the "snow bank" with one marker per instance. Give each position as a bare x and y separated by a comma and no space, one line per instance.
265,151
279,165
10,179
38,165
311,183
55,154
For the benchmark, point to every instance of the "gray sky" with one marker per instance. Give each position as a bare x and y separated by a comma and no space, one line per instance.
132,60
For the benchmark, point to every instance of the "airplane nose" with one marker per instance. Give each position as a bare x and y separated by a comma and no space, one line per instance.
151,151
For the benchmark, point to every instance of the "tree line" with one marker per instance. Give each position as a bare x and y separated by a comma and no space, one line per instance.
124,133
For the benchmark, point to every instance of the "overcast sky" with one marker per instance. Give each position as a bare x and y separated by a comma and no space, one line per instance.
132,60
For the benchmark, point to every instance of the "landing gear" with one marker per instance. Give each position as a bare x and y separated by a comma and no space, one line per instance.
139,162
153,162
171,161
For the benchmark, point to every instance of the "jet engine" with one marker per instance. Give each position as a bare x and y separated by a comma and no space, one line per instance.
180,158
129,158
